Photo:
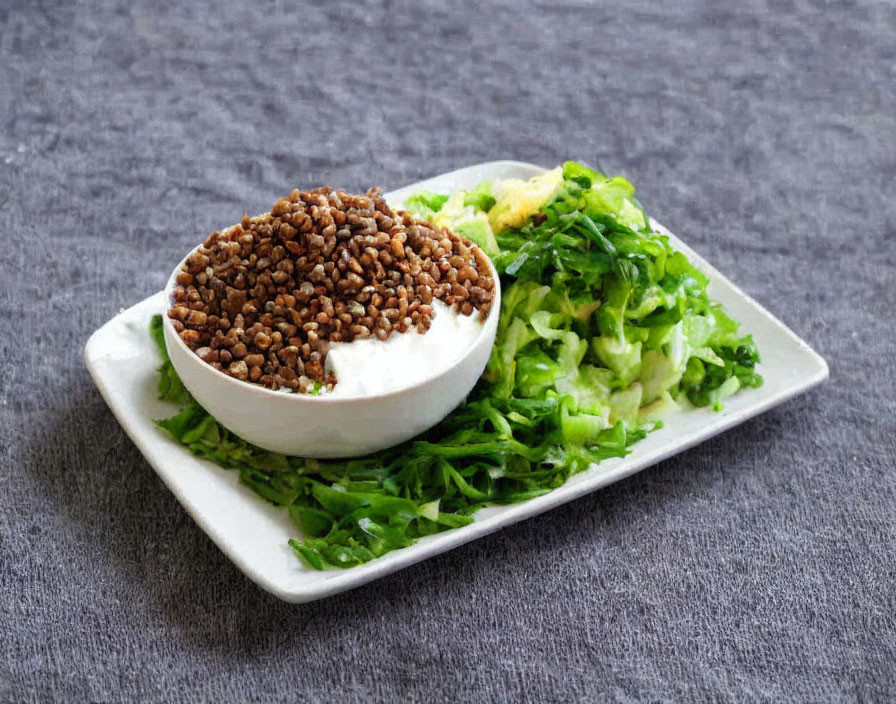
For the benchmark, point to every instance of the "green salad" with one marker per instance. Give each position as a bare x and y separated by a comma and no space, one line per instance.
603,330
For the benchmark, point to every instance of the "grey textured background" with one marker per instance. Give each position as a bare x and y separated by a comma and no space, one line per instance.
759,566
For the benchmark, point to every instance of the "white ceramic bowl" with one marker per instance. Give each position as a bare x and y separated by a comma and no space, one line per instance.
318,426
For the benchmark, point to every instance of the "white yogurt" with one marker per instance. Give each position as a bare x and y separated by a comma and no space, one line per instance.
371,366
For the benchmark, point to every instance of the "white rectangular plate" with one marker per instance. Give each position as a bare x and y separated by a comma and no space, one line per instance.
122,359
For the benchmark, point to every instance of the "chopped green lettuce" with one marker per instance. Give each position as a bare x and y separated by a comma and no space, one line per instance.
481,197
425,203
459,213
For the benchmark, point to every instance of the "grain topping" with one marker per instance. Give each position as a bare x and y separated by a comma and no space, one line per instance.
260,301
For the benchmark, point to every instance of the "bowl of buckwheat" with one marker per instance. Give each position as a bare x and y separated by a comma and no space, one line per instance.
332,325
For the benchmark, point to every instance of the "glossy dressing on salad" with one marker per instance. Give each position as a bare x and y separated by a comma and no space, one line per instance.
369,367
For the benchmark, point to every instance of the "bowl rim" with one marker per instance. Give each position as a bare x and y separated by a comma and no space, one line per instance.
324,398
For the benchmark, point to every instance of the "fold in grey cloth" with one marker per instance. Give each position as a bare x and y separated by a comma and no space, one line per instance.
756,567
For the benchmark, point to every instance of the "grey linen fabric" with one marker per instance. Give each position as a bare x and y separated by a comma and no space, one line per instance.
759,566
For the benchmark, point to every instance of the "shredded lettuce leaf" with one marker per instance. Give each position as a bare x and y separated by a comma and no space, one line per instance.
460,213
604,329
425,203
